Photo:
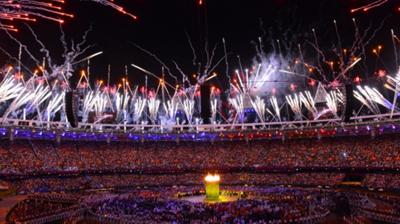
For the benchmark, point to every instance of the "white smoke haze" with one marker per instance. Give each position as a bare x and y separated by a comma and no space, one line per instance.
267,75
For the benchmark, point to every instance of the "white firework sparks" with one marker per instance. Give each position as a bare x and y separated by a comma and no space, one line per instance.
308,101
371,97
10,89
393,83
276,111
259,106
55,104
121,106
238,105
295,104
31,99
171,107
214,110
138,109
332,101
153,105
188,108
94,101
252,82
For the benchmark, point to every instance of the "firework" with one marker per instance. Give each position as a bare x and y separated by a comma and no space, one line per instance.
138,109
259,106
276,111
308,101
153,105
121,106
188,108
30,10
238,104
40,97
171,107
214,110
295,104
252,82
369,6
31,99
10,89
332,101
393,84
371,98
55,104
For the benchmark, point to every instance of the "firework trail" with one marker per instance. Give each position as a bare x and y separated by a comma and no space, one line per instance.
30,99
121,106
139,106
276,111
333,99
30,10
238,104
111,4
214,110
188,108
153,105
369,6
371,98
295,104
171,107
10,89
308,101
55,104
259,106
393,83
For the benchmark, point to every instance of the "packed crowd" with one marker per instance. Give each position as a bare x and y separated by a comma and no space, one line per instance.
382,181
62,184
254,204
291,205
39,206
381,207
32,157
76,183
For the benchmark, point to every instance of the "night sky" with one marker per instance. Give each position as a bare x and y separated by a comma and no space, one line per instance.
162,27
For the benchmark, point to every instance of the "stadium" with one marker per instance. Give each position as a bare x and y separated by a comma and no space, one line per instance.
283,138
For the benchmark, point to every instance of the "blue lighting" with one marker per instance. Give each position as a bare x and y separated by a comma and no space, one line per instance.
3,131
43,134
